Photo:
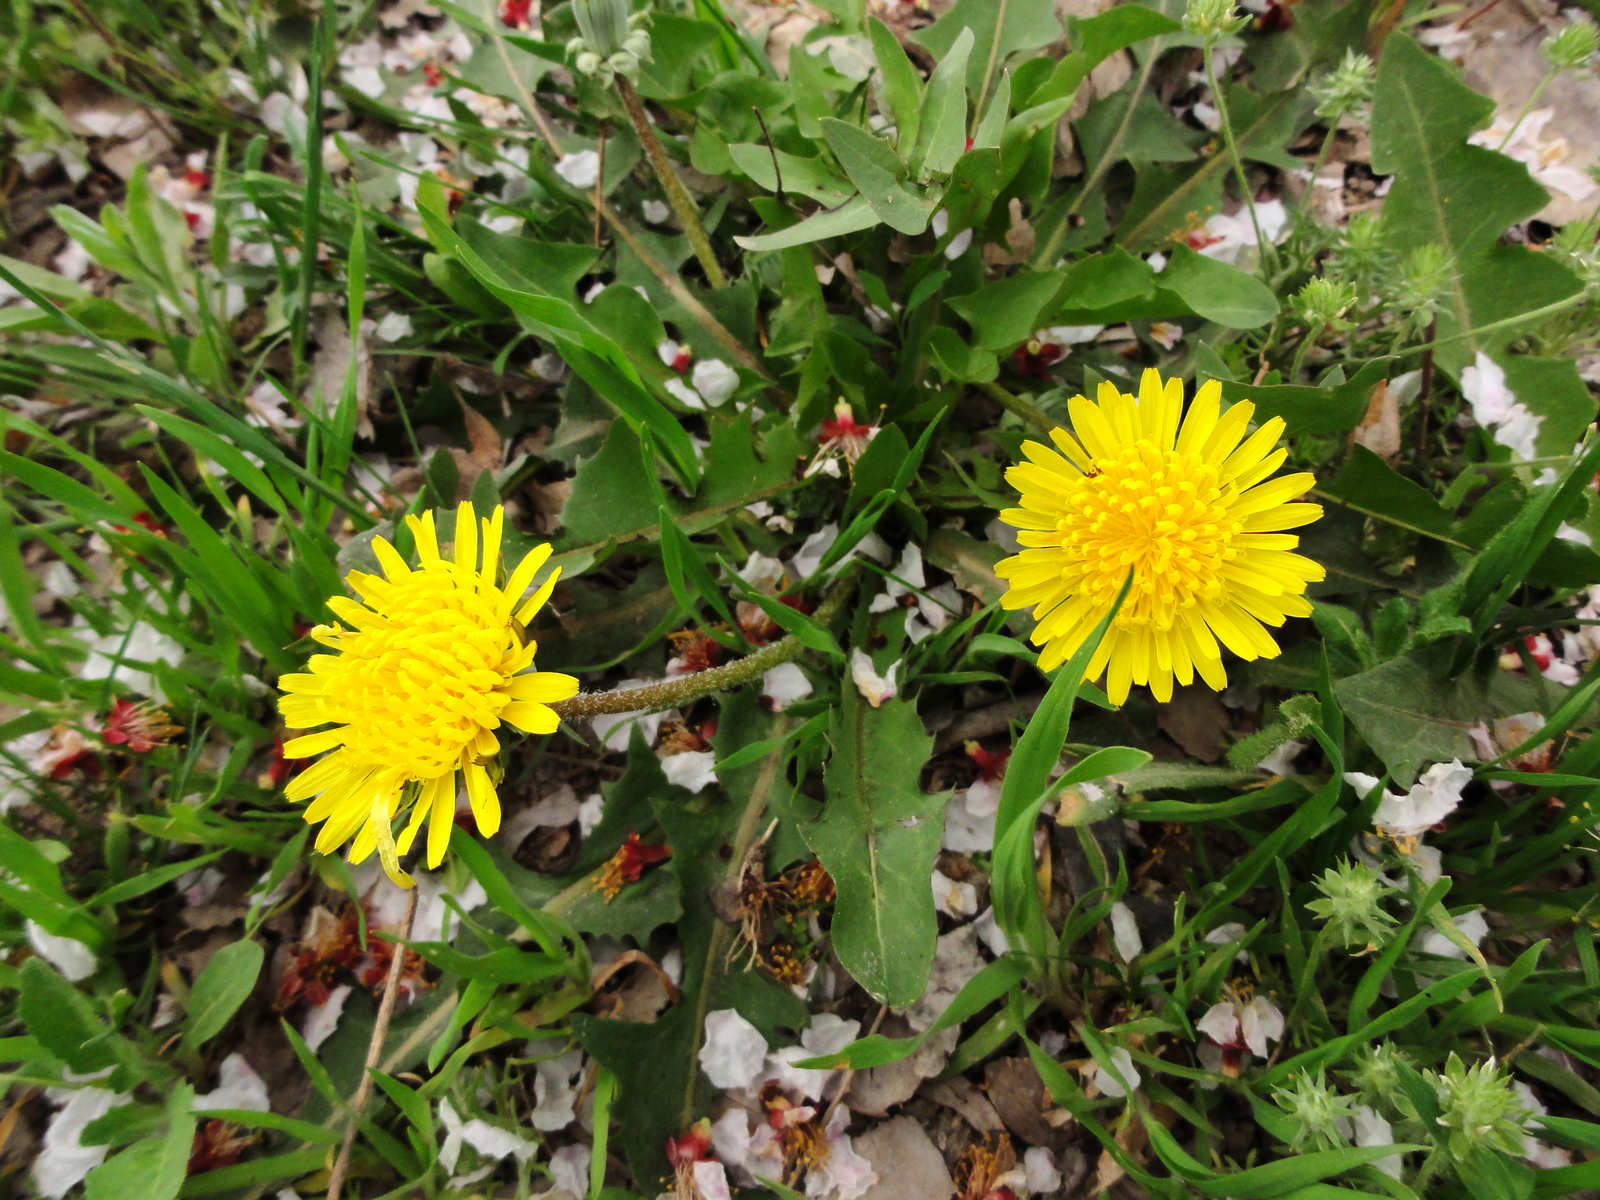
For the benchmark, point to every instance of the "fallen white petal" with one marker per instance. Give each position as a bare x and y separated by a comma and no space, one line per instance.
734,1050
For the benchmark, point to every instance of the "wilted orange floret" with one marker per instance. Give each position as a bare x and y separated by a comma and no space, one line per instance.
628,864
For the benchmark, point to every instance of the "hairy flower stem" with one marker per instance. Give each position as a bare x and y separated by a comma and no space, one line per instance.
1268,253
674,693
1015,404
1306,342
1527,107
1308,201
668,279
671,184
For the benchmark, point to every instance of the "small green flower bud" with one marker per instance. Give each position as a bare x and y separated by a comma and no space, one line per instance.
1479,1108
576,46
1347,89
1324,302
1376,1077
637,44
1362,256
1425,275
587,63
1572,47
1320,1115
1212,19
1351,904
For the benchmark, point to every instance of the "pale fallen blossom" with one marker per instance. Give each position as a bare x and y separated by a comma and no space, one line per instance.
784,685
875,688
808,558
569,1168
1373,1129
1234,1030
952,897
825,1036
1470,925
1540,1154
1122,1063
1545,158
1435,795
394,326
715,380
490,1141
1281,760
734,1052
68,955
120,655
321,1021
1226,934
654,211
1041,1176
1165,334
1231,237
238,1086
684,394
581,169
615,730
694,770
711,1180
555,1091
1125,932
940,225
63,1160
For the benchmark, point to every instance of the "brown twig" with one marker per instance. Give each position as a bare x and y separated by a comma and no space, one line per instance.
380,1030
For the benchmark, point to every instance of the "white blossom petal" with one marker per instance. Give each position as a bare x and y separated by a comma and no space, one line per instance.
734,1050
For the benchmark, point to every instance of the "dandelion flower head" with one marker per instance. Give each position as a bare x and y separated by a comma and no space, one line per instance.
1184,501
425,666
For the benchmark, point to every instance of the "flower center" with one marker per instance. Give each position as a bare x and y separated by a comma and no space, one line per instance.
1160,513
417,687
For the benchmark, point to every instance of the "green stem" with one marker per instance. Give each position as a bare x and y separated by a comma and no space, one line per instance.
675,693
1307,203
1527,107
1430,1167
1266,251
671,184
1029,412
1045,256
1311,335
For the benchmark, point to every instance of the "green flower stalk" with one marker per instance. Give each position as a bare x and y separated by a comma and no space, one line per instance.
1346,91
1566,51
1214,20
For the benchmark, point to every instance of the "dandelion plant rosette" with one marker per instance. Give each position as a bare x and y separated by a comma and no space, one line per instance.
1183,500
425,667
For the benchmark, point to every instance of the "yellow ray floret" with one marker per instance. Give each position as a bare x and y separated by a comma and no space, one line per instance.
425,666
1185,502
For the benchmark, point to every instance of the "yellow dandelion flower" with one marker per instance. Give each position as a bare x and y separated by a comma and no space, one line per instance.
433,661
1181,499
